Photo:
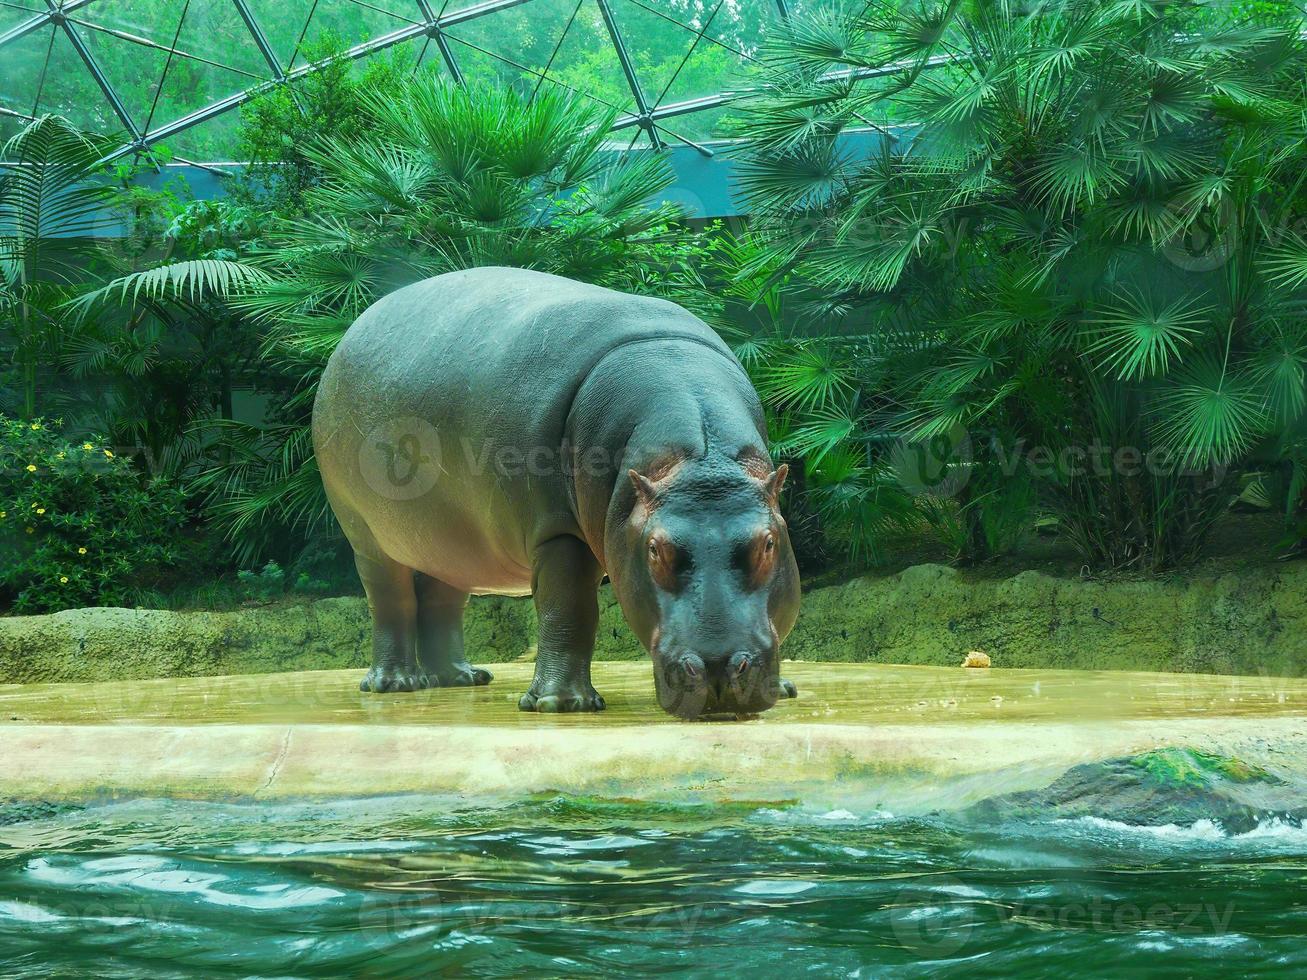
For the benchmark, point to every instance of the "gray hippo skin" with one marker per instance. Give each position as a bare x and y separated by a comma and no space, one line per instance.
510,432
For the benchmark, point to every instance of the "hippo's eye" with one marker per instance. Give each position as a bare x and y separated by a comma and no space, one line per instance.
769,545
663,562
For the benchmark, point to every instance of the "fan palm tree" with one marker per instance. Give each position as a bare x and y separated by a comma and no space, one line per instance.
1084,239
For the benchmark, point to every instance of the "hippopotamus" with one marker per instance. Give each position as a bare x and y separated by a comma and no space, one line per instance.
504,431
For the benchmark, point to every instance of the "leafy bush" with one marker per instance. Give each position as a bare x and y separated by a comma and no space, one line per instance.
1087,246
78,525
264,585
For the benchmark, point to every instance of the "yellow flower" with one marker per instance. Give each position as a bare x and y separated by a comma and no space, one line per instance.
40,510
35,426
87,446
63,579
108,454
81,551
58,455
31,530
3,514
31,468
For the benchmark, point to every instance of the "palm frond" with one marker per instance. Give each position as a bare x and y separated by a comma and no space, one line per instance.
1210,414
1138,339
180,282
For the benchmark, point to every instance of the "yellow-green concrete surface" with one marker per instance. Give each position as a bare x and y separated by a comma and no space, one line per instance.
907,737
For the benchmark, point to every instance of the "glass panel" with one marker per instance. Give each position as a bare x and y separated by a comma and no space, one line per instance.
213,30
565,40
215,139
133,70
190,83
15,12
147,19
350,22
660,33
702,126
68,88
283,23
401,58
24,61
9,127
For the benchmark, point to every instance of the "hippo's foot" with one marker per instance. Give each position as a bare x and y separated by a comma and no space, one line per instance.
461,674
390,680
788,690
560,698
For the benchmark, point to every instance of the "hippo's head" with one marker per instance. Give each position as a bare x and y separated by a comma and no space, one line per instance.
706,578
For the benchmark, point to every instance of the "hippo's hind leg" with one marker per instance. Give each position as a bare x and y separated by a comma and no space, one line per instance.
393,604
565,582
440,635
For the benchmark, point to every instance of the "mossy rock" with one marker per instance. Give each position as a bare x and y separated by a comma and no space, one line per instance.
1164,786
1186,767
1251,623
21,811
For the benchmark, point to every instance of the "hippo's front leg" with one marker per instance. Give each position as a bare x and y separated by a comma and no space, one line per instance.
565,583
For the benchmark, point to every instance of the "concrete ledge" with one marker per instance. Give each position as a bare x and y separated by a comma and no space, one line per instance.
1252,621
908,738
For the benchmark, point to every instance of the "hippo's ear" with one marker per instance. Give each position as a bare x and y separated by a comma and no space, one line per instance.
775,483
644,488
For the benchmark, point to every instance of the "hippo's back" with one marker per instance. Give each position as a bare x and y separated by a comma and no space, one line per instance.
440,415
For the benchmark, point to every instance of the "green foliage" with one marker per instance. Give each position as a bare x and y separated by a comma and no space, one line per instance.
438,178
78,525
51,207
264,585
1086,239
280,127
159,338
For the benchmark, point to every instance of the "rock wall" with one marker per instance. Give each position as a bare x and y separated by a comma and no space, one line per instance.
1249,622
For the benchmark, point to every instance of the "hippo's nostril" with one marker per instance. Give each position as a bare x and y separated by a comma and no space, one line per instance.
739,666
686,673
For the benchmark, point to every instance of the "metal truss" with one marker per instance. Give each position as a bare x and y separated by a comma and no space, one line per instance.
430,19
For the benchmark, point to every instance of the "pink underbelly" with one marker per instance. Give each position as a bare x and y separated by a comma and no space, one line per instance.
468,562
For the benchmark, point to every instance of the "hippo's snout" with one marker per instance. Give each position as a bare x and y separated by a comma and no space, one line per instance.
741,682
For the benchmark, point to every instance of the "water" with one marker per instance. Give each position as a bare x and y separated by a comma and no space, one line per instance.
555,886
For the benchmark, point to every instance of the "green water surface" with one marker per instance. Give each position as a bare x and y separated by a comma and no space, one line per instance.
568,887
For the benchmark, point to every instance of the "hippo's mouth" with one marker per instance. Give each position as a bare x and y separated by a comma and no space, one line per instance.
708,694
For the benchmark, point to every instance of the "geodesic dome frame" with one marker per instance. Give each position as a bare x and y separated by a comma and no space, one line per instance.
173,71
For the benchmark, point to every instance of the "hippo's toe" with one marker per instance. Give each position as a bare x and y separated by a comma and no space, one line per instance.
788,690
461,675
386,680
563,701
